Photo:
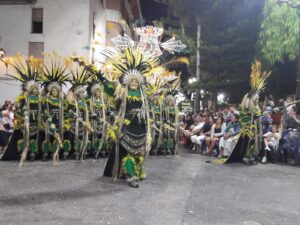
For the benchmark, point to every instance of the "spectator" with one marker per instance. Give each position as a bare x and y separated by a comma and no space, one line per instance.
195,130
266,121
271,141
226,114
291,120
199,138
6,129
233,111
188,121
217,131
229,138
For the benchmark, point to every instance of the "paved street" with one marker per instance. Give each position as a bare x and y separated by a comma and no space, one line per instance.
184,190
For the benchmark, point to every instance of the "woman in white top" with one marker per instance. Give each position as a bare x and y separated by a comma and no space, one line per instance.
216,132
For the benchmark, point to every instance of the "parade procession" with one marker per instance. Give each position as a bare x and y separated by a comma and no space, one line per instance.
123,108
149,112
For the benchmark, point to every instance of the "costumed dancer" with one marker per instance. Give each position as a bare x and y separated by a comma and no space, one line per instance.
133,134
25,138
250,113
79,113
170,121
156,98
156,115
129,65
98,117
55,119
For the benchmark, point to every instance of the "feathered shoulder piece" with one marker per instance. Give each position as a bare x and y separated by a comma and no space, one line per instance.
54,72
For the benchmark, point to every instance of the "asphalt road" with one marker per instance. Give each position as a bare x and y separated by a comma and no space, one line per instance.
183,190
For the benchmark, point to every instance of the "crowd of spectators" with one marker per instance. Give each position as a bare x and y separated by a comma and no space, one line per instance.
211,132
7,111
215,132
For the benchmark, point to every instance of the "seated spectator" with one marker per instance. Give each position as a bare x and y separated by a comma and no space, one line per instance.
291,120
271,141
6,129
293,116
199,137
217,131
195,129
233,111
188,121
266,121
227,142
226,114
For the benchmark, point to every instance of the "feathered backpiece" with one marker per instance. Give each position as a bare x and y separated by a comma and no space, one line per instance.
258,83
54,73
258,78
27,70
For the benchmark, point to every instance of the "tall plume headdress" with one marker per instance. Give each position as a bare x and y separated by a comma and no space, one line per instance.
54,73
26,70
80,79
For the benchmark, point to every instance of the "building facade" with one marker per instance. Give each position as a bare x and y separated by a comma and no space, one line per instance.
30,27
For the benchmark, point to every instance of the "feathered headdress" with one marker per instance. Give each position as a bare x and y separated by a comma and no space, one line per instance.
258,83
54,74
26,70
130,63
94,82
173,89
80,78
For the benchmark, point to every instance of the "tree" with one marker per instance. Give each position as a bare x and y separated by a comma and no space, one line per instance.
229,46
279,36
229,37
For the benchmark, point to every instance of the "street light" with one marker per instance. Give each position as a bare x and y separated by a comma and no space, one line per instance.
296,6
192,80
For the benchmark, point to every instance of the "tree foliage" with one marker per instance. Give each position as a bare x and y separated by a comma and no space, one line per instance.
279,36
230,31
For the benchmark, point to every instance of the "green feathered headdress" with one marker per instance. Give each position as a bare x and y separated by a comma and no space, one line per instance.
27,70
80,78
54,73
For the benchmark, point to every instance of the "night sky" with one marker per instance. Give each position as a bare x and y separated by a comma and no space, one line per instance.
152,10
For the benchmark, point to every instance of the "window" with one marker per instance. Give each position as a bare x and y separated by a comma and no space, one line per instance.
36,49
37,21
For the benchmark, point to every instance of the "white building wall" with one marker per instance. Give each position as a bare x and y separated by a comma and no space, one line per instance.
67,29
